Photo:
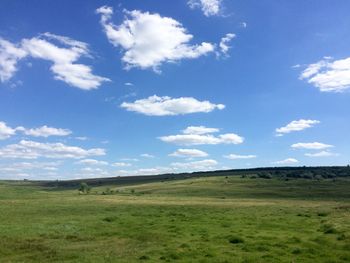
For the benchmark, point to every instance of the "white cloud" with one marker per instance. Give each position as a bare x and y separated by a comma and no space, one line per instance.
92,170
10,54
45,131
129,159
128,84
20,166
311,146
63,58
92,162
288,161
199,130
147,155
121,164
244,24
298,125
321,154
82,138
6,131
149,40
198,139
208,7
33,150
236,156
196,165
328,75
224,43
146,171
188,153
167,106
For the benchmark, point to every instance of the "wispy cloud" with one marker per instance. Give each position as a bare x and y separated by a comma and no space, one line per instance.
224,43
121,164
297,125
321,154
92,162
288,161
237,156
147,155
33,150
311,146
199,130
196,165
45,131
188,153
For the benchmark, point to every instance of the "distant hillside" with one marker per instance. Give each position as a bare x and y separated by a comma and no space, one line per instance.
283,173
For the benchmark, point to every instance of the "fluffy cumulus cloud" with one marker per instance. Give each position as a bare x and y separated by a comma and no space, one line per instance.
311,145
321,154
208,7
121,164
328,75
149,40
147,155
237,156
199,139
188,153
224,43
62,52
196,165
6,131
92,162
167,106
145,171
33,150
16,168
199,130
45,131
288,161
297,125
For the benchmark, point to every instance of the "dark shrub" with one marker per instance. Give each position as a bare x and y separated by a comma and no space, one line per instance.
235,240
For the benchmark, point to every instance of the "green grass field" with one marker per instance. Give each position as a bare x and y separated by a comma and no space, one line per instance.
212,219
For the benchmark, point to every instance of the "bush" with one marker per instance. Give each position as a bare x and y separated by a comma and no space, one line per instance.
84,188
265,175
235,240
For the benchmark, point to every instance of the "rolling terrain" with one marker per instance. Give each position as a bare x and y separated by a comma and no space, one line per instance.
198,219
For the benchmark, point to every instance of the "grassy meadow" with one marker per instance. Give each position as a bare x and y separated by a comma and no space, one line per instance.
208,219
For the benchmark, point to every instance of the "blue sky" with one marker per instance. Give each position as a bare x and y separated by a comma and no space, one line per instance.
117,88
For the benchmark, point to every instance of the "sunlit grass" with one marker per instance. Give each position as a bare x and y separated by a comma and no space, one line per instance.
214,219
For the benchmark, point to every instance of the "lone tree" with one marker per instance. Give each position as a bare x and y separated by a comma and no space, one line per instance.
84,188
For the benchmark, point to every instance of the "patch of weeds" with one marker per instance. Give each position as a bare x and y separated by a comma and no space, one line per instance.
174,256
295,240
144,257
328,229
296,251
304,215
110,219
341,237
322,214
235,240
184,245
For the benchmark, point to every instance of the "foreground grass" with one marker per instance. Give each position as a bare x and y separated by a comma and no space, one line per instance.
214,219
